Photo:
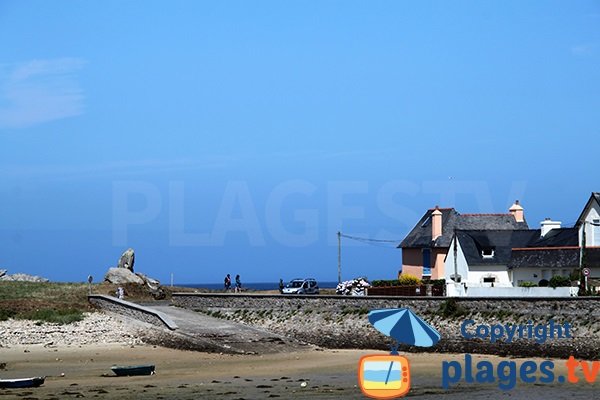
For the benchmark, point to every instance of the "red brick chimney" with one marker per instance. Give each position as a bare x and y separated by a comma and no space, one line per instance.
517,211
436,223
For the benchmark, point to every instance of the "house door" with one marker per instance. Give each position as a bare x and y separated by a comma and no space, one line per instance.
426,262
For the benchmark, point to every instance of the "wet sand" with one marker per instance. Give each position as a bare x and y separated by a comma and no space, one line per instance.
329,374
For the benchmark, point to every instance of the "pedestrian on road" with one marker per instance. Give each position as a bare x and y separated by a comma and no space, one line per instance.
281,286
238,283
227,282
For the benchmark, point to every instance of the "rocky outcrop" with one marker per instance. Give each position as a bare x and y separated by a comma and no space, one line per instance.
152,283
121,276
20,277
127,259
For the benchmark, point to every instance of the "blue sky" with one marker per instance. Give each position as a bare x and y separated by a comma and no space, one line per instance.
239,137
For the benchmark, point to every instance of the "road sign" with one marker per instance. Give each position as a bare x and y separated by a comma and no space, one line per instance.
586,272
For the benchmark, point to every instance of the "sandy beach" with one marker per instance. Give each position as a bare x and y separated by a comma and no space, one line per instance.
329,374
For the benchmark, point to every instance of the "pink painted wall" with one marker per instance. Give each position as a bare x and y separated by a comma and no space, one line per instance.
412,262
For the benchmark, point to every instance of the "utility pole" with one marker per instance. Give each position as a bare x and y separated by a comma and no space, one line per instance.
582,261
339,235
455,251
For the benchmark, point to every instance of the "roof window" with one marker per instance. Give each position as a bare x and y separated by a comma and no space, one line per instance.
487,252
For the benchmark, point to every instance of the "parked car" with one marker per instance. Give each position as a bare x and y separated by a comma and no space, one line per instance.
302,286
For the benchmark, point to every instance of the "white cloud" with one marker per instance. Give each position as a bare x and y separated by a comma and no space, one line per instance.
583,49
39,91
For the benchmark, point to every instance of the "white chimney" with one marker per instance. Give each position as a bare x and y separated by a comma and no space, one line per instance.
517,211
548,225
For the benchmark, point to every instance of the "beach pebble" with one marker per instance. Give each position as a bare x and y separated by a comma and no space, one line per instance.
304,384
94,328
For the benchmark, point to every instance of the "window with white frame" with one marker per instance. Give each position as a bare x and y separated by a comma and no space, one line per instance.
487,252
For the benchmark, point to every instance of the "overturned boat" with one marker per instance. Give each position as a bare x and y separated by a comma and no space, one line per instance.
22,382
132,370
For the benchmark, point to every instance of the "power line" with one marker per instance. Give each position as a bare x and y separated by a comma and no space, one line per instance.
370,240
385,243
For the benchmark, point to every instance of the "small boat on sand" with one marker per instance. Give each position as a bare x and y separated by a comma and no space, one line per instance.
132,370
22,382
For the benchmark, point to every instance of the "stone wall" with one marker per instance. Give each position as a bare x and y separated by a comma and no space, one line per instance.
131,310
341,322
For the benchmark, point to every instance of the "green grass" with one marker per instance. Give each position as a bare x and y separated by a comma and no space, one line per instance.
62,317
61,303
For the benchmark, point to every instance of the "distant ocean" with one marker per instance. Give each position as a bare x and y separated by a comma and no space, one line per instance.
250,285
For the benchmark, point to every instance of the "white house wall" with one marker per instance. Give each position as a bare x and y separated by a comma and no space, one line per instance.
461,263
478,272
535,275
474,275
592,234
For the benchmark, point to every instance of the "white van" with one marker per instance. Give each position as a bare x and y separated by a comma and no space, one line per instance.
302,286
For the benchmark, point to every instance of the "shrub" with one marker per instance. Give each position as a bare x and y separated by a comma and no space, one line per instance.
6,314
62,317
438,282
543,283
385,282
408,280
527,284
559,281
450,308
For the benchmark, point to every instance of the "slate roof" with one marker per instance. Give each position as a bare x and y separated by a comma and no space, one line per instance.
473,242
558,237
524,248
420,235
559,248
557,257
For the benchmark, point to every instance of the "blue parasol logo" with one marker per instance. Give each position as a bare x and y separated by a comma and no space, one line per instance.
388,376
404,326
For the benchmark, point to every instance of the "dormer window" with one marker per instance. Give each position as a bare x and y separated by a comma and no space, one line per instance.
487,252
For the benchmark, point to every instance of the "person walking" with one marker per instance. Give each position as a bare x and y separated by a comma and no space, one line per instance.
281,286
227,282
238,283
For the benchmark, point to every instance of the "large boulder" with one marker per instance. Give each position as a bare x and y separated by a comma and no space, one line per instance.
120,276
127,259
152,283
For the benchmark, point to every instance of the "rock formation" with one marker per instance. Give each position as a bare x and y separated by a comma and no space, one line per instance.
120,276
21,277
127,259
123,274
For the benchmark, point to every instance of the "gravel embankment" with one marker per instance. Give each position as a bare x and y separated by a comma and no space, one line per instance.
95,328
353,331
